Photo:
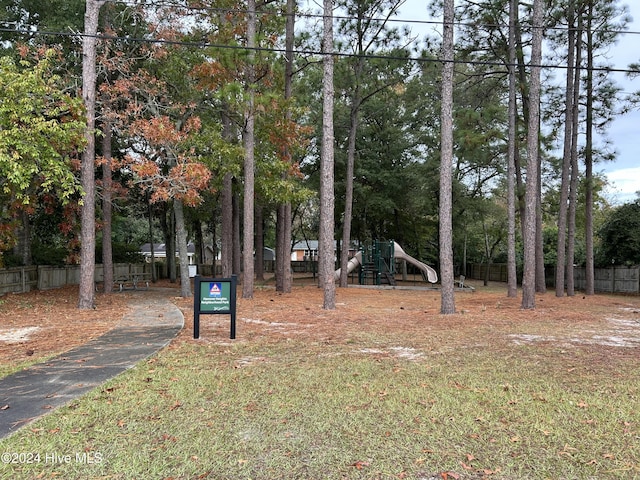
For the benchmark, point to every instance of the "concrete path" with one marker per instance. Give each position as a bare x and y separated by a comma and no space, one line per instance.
36,391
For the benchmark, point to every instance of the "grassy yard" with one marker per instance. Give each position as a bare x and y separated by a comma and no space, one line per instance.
383,387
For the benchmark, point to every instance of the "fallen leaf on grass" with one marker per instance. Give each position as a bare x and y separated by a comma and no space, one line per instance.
447,475
360,465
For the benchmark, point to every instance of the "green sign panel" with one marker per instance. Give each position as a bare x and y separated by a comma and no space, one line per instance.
215,296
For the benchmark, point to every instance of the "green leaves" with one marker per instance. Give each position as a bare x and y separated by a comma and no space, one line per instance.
41,128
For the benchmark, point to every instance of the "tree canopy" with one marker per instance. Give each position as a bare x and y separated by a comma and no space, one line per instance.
213,125
619,236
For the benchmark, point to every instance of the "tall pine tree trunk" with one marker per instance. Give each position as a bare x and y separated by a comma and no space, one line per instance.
226,237
512,274
541,281
284,277
249,160
573,184
588,159
236,264
107,250
183,253
86,294
566,157
154,277
447,300
259,261
348,197
167,222
326,255
533,162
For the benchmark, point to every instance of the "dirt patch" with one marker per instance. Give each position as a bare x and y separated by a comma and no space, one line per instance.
50,322
16,335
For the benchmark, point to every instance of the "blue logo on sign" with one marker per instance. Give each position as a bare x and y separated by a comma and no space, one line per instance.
215,289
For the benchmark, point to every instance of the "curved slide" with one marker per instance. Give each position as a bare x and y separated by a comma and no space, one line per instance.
354,263
427,272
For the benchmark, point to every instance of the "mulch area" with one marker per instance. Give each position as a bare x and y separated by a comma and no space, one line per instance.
39,324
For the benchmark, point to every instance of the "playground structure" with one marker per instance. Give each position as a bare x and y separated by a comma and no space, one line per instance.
377,264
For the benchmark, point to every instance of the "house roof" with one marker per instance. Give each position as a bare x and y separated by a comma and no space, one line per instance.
306,245
313,245
161,248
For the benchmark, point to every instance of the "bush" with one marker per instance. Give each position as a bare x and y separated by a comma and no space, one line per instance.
619,239
48,255
121,252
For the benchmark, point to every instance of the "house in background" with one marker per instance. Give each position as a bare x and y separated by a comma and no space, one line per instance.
160,252
306,250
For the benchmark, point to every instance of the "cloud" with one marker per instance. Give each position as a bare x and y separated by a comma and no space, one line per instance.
624,184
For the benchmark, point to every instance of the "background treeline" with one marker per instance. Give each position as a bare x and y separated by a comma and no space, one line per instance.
209,129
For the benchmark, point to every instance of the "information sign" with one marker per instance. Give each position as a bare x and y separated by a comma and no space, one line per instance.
214,296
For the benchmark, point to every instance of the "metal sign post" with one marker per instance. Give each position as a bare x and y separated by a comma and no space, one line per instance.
214,296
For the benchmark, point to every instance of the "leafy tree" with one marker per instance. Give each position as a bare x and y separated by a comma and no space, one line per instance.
41,130
49,23
362,79
619,238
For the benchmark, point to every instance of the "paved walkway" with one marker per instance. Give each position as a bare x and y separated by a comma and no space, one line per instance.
31,393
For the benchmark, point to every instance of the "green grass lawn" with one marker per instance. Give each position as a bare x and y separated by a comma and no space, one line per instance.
359,408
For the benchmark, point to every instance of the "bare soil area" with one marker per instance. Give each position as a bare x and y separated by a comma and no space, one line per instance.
39,324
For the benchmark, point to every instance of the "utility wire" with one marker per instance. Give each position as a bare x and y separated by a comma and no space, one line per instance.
306,52
345,17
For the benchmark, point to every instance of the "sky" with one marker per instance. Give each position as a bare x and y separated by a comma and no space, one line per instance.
624,133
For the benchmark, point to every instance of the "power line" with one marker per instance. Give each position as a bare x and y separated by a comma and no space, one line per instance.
373,19
306,52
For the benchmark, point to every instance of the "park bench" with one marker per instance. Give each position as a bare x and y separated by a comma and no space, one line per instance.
133,280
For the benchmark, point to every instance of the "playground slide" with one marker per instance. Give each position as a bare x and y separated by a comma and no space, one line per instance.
427,272
354,263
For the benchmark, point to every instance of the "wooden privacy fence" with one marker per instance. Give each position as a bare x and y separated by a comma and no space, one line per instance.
614,279
44,277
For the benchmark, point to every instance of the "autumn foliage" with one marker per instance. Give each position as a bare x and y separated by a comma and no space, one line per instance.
166,167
